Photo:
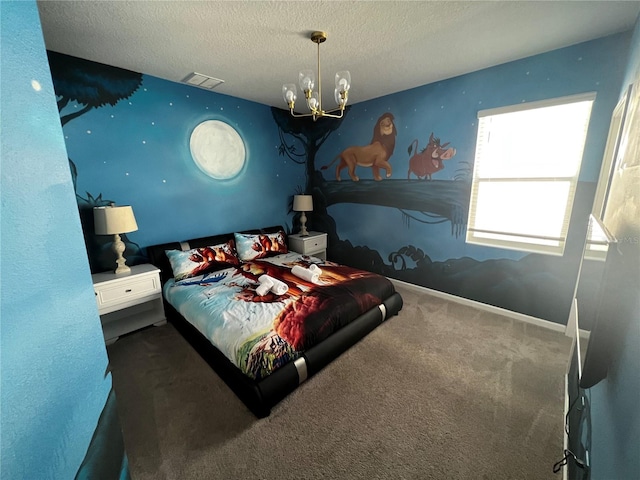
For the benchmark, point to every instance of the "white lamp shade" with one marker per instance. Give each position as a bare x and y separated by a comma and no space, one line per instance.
114,220
302,203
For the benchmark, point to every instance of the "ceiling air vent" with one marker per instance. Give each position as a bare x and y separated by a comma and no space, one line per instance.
202,81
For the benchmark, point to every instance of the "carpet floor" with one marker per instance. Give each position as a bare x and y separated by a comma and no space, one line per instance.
441,391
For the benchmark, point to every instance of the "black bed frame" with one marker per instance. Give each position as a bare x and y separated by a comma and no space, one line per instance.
260,396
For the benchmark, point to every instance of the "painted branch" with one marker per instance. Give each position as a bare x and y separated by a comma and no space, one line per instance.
446,198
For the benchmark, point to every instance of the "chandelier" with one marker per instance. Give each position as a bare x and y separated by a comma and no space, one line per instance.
307,79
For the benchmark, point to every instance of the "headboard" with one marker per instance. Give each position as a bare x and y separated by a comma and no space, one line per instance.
159,258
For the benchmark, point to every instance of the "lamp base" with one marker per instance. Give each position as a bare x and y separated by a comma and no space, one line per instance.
118,248
303,226
122,269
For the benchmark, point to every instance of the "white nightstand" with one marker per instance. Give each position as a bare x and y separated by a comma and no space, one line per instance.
314,244
128,301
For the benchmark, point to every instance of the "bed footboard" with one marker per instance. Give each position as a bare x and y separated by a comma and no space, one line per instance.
322,354
261,396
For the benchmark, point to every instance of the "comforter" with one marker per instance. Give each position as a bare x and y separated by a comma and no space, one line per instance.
258,333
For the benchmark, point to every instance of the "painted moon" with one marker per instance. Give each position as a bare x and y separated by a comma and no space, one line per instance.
217,149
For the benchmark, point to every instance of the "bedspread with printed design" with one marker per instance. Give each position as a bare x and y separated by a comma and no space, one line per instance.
259,334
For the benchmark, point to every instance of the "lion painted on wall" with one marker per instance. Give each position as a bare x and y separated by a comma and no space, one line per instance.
374,155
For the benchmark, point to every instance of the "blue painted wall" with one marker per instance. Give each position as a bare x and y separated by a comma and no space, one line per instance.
615,418
53,382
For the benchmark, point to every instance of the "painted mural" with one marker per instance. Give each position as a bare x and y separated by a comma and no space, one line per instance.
390,180
81,86
374,155
511,284
411,225
217,149
190,162
430,159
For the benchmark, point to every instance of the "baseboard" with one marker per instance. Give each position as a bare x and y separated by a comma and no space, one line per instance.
483,306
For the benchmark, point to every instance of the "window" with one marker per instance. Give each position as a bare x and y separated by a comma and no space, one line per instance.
525,173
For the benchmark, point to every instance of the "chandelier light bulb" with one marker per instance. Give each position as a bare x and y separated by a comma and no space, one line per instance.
289,93
307,80
313,102
343,80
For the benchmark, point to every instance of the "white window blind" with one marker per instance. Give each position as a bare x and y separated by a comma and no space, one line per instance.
526,169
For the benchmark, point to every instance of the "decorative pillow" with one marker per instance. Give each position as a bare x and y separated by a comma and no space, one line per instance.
252,246
199,261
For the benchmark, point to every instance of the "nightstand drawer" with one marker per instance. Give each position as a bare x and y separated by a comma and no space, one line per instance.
317,242
313,244
125,291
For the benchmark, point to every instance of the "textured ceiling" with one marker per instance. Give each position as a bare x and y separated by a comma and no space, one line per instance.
256,46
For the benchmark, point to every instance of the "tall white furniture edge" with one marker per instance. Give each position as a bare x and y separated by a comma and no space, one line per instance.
128,302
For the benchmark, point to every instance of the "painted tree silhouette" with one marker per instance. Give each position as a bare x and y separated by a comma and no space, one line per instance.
89,84
301,138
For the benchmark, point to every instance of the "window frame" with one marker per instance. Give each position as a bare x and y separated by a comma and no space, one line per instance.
610,159
513,240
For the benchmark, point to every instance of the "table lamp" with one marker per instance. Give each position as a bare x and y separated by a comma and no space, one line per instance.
114,220
303,203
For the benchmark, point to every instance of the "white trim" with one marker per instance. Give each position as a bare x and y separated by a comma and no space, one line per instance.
556,327
483,306
611,152
572,322
549,102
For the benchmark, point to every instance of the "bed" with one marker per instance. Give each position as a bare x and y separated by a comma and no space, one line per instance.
225,295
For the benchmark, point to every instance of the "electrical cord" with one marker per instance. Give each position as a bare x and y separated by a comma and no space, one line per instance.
567,455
